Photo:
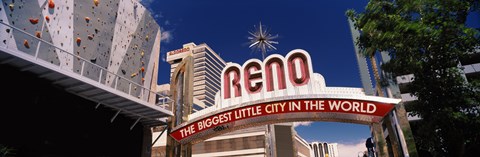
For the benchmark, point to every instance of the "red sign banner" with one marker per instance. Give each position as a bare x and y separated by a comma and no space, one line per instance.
178,51
336,108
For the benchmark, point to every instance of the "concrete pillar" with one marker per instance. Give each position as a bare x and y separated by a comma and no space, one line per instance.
181,88
402,121
402,124
187,150
392,135
380,143
147,142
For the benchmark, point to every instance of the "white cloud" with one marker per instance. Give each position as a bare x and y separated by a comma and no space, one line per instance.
351,149
164,59
146,2
295,124
166,36
148,5
158,15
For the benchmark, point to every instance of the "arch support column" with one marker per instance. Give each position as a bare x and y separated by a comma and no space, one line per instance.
181,87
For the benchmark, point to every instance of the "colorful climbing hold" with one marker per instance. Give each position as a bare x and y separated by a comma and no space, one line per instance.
38,34
90,37
146,38
12,6
87,19
51,4
79,41
96,2
93,60
47,18
25,43
133,75
33,20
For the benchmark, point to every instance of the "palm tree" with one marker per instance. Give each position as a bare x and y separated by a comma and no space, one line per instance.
370,53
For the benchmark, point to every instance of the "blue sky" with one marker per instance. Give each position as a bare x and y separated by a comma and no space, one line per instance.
319,27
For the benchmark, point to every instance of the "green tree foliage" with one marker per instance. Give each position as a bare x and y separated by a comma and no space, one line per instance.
429,38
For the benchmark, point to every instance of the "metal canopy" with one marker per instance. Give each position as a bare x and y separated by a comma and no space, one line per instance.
132,104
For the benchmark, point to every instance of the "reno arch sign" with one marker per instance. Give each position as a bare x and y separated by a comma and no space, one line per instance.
279,89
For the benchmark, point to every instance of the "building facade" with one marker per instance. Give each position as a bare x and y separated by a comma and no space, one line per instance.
104,52
208,67
120,36
279,140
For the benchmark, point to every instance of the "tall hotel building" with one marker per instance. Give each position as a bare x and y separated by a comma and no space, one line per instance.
279,140
208,67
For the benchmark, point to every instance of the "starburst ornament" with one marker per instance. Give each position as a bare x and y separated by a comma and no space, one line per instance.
261,40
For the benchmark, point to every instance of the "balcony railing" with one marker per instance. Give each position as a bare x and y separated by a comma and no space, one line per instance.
134,89
34,50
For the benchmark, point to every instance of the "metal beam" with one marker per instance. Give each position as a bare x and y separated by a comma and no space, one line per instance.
151,123
98,105
81,91
138,119
122,104
76,85
46,74
150,113
142,110
104,96
8,60
116,114
133,108
114,98
62,80
95,92
28,67
159,136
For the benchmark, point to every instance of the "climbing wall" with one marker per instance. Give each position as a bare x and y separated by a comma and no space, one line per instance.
128,15
27,17
137,56
118,35
59,25
6,34
94,34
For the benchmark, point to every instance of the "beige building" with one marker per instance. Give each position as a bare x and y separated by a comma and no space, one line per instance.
208,67
323,149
